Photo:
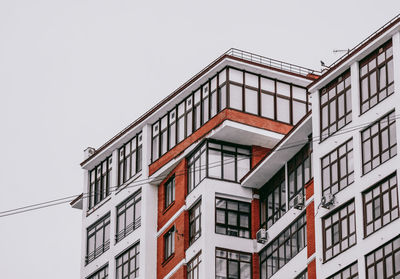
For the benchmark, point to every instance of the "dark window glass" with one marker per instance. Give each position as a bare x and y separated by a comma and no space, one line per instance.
102,273
302,275
384,262
195,222
128,215
283,248
169,243
130,159
232,218
335,102
98,238
100,182
127,264
339,230
194,267
216,159
380,204
232,264
338,168
299,172
349,272
273,199
379,142
169,191
376,76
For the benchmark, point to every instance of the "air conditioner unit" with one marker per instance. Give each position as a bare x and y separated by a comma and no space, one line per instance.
262,236
298,201
327,200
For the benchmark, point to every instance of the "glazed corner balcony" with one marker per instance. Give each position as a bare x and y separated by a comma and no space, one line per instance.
238,102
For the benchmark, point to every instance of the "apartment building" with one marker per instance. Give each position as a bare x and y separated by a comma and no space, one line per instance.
233,176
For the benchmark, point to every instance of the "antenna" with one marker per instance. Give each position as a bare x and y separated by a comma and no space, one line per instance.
341,50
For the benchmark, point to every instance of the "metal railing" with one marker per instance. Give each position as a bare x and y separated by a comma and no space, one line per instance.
128,229
351,51
98,251
245,55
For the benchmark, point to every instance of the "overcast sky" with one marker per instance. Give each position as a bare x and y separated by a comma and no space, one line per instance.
73,73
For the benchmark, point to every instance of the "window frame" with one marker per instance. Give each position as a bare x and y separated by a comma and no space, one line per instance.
193,266
374,59
389,121
169,192
239,261
383,251
169,243
135,256
342,84
282,243
334,157
134,154
391,189
196,234
349,212
350,272
99,225
99,182
96,274
238,213
135,198
276,183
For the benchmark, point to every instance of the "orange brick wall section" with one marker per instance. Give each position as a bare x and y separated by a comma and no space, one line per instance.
181,244
226,114
164,214
311,270
255,217
256,266
257,154
180,273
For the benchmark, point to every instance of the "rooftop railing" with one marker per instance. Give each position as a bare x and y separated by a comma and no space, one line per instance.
271,62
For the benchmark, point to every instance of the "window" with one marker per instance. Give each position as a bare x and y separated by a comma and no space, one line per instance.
169,191
299,172
380,204
273,199
169,243
220,160
339,231
384,262
128,215
335,100
232,264
127,263
130,159
193,267
195,222
188,115
232,218
376,76
102,273
100,182
98,238
302,275
338,168
283,248
379,142
230,88
349,272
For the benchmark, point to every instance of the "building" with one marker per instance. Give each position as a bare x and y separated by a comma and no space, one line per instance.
232,176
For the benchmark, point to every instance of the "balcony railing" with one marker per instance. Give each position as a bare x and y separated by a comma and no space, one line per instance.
98,251
127,230
245,55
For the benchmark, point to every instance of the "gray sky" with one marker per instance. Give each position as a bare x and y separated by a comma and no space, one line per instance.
73,73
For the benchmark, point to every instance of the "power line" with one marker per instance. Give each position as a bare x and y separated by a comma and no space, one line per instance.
137,183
